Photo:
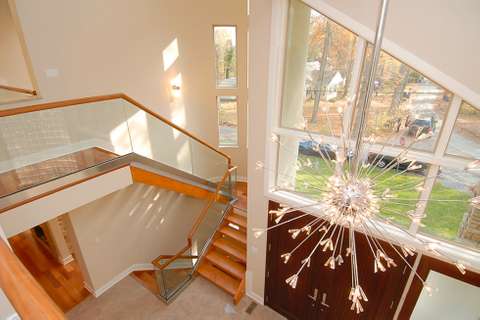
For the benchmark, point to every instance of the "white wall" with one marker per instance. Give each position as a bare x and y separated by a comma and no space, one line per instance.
259,28
101,47
453,300
33,213
131,226
13,69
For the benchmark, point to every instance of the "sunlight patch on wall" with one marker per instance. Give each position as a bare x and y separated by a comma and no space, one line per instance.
170,54
138,126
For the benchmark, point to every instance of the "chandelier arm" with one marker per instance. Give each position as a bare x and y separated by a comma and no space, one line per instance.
391,165
379,245
408,185
306,238
312,139
402,257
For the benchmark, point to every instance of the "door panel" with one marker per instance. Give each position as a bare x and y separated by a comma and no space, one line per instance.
383,289
292,303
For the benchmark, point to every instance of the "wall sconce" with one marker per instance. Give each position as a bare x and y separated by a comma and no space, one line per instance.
175,87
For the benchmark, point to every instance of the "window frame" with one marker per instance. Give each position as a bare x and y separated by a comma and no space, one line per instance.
217,87
237,144
435,158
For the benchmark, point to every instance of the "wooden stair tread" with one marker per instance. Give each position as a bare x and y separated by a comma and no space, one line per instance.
231,247
237,219
227,265
234,234
220,278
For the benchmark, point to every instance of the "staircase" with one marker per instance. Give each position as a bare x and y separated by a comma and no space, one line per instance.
225,261
115,140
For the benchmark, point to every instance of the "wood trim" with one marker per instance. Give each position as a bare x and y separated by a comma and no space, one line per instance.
147,177
21,90
24,292
426,265
157,263
74,102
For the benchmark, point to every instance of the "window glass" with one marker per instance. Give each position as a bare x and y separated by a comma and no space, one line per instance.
449,214
465,138
227,121
405,186
303,165
405,105
319,61
225,38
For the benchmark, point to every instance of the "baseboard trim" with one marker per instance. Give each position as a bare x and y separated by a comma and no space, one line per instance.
255,297
119,277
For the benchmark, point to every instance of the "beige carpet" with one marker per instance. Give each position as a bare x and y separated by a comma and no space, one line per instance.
128,299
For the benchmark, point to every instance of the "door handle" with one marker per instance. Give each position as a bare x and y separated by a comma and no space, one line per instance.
324,300
315,295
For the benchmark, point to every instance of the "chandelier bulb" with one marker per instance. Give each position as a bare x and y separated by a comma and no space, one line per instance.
292,281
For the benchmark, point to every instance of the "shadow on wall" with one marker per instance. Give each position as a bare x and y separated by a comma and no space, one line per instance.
131,226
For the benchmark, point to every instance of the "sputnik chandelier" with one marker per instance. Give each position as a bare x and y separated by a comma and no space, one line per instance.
352,197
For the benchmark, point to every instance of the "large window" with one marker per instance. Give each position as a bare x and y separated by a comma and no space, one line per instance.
405,104
227,121
465,139
318,71
225,39
322,76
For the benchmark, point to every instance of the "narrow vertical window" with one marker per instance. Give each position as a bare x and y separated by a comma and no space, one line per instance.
227,121
225,38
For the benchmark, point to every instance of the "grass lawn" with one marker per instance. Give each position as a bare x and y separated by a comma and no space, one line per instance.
443,218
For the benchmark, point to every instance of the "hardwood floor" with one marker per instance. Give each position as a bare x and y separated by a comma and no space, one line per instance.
31,175
64,284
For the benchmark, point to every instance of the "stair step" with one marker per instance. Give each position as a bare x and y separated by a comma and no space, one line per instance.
237,219
231,247
220,278
227,265
234,234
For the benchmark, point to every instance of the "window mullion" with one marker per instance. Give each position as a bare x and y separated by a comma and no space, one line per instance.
354,86
425,194
448,126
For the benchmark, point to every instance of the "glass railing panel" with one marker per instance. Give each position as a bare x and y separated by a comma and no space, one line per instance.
208,164
159,141
171,279
39,146
208,226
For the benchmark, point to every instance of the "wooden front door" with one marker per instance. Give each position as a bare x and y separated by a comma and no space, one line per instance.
322,293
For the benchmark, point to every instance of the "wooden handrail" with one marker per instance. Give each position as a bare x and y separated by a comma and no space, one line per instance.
199,220
21,90
80,101
25,294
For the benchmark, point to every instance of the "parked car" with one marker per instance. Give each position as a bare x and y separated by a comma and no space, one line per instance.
383,161
312,148
422,126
